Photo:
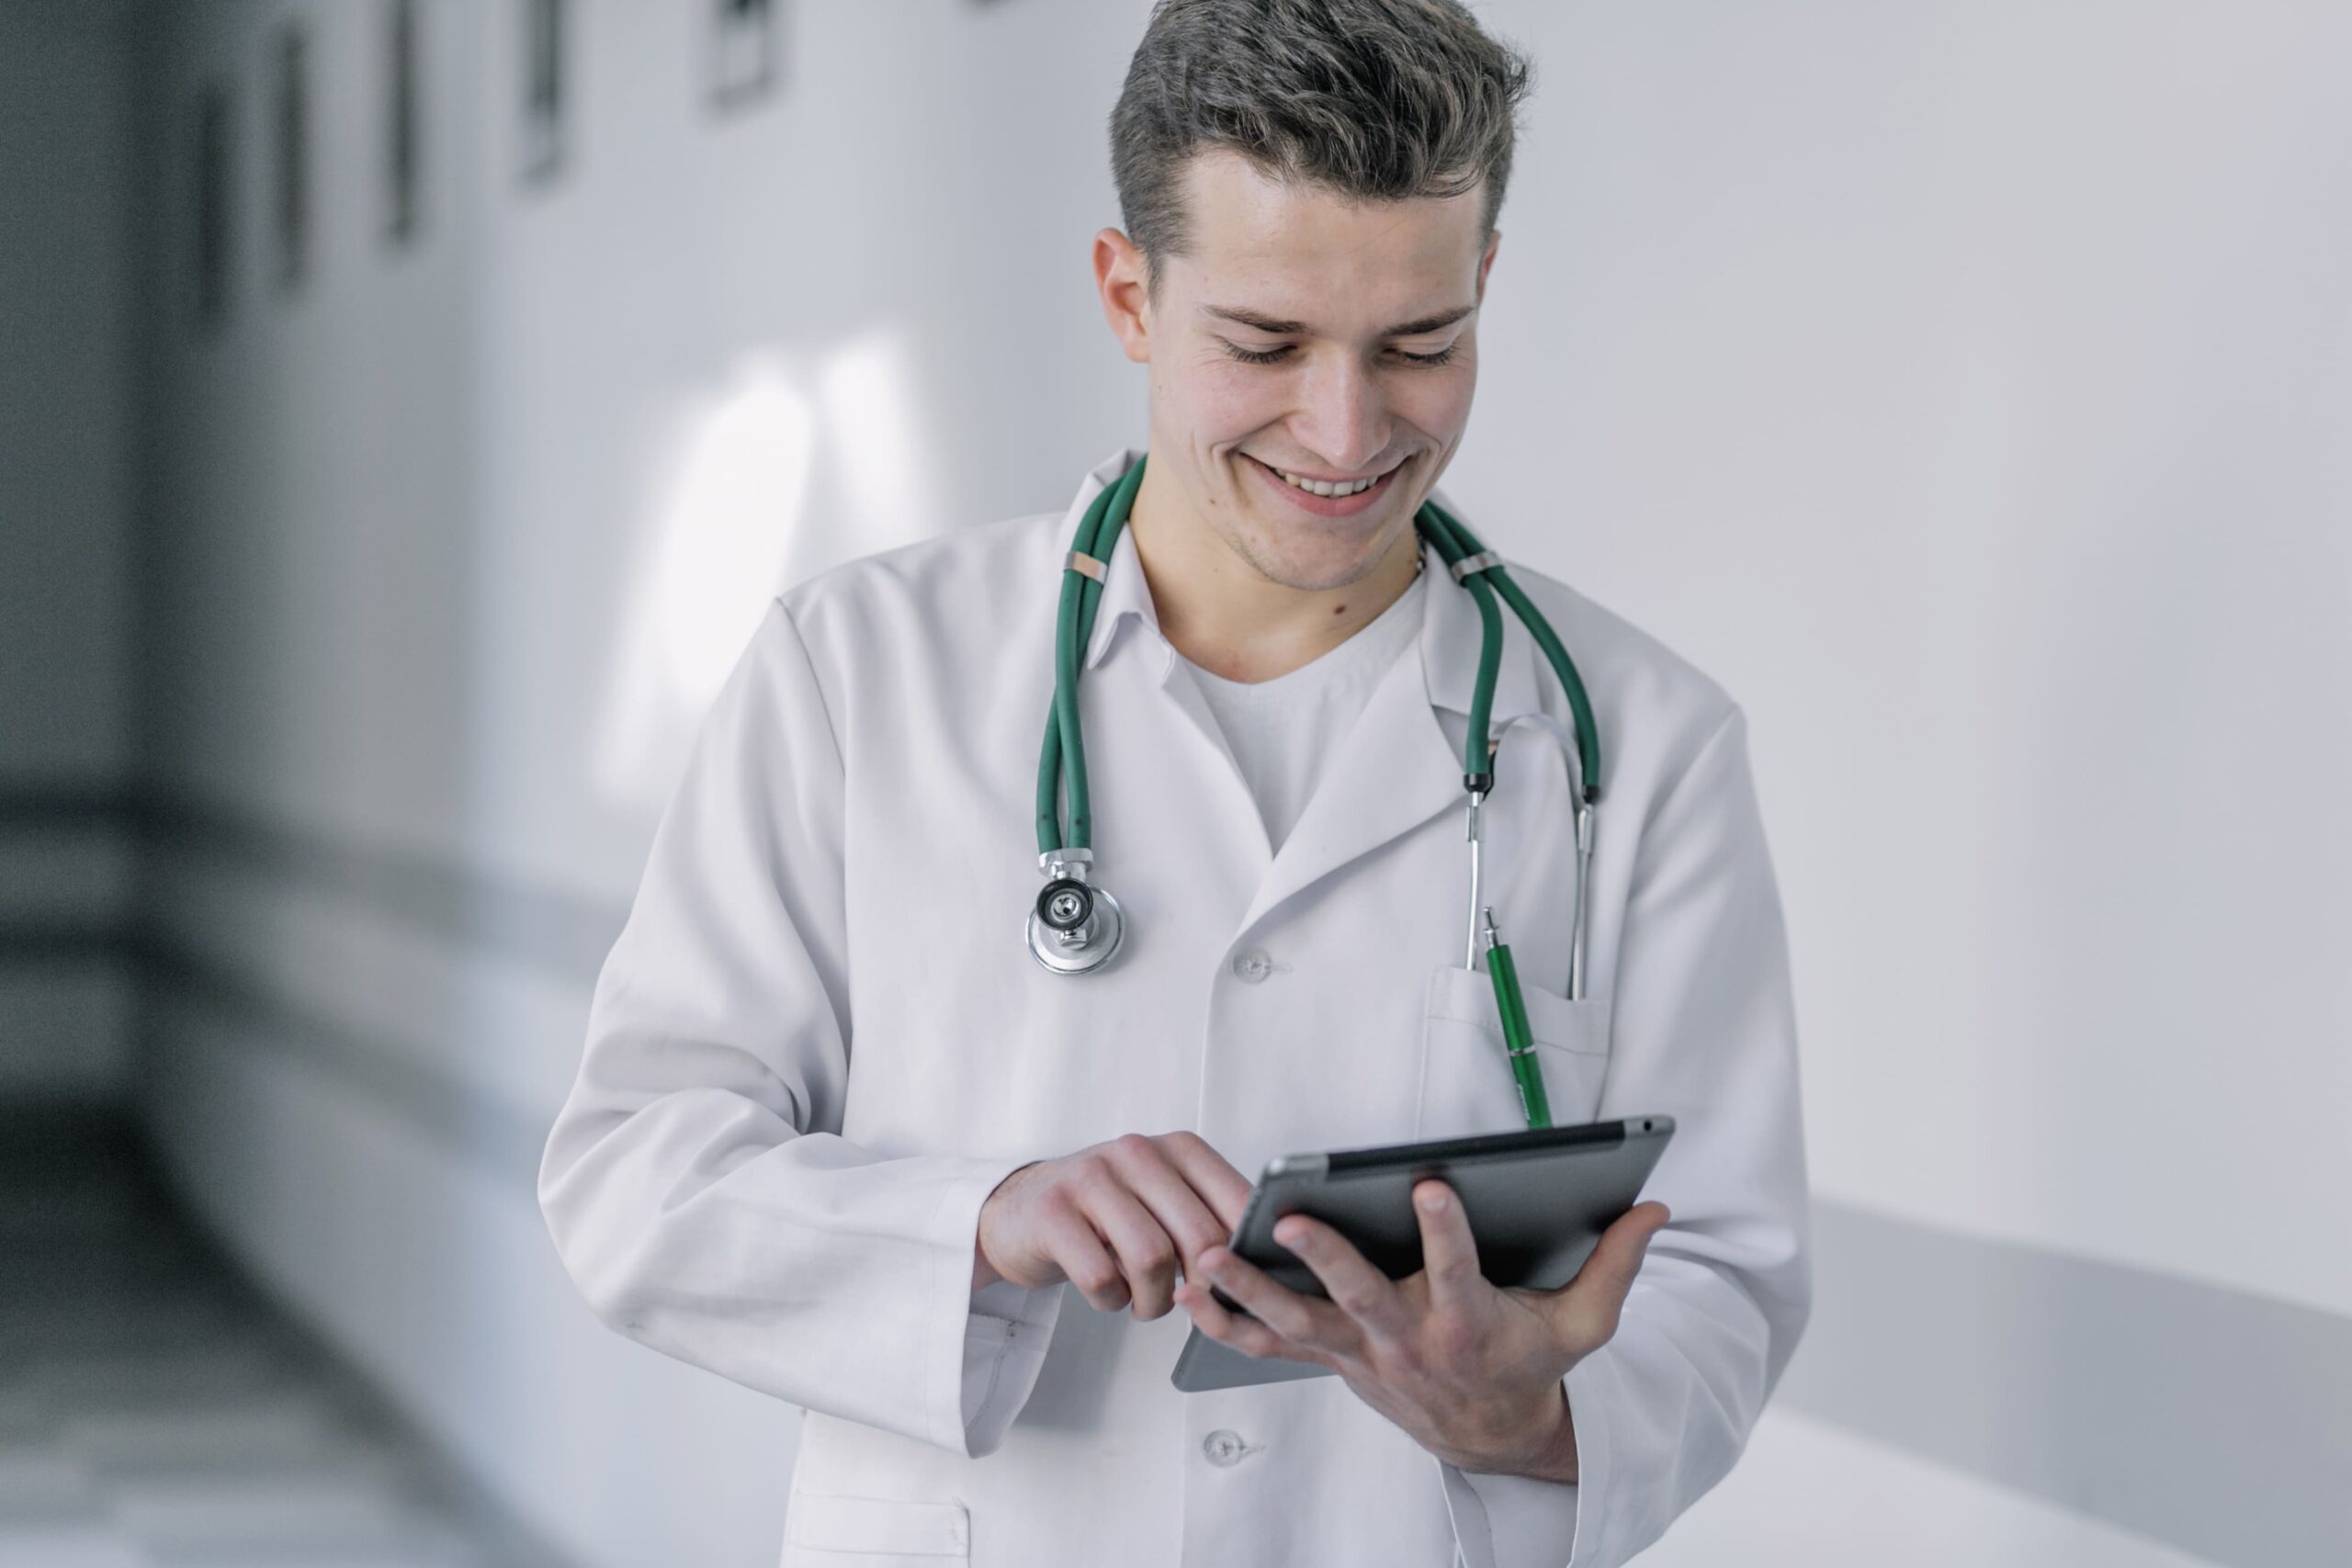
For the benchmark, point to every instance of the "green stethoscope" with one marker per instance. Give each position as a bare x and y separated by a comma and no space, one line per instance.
1077,926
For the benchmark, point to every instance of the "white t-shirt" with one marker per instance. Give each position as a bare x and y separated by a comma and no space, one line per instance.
1279,731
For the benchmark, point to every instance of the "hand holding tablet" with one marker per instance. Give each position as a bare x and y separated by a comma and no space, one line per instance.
1537,1204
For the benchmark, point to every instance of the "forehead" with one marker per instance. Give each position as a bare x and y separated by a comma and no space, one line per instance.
1307,253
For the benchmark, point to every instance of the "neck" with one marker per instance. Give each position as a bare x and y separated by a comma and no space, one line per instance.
1232,620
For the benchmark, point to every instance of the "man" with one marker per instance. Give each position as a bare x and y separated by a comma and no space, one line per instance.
837,1137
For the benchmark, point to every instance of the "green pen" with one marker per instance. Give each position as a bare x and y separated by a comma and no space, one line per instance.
1519,1041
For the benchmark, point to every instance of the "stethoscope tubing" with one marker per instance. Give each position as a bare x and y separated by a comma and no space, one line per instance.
1061,763
1456,544
1061,766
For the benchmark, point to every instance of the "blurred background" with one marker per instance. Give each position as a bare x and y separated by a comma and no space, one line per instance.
407,406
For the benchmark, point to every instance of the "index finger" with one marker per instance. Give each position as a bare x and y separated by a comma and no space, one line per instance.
1449,1252
1149,1169
1226,1188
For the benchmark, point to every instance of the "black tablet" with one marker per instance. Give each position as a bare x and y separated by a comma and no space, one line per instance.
1537,1203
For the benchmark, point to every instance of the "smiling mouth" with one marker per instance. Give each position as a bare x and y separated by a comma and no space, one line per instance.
1329,489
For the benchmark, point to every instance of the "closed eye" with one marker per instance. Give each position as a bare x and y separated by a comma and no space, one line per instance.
1275,356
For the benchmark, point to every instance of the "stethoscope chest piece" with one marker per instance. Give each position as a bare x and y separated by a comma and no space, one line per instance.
1074,927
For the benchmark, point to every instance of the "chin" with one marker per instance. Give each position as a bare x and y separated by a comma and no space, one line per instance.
1313,565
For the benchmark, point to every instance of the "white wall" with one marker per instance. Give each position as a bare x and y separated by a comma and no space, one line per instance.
1953,381
1958,383
1964,385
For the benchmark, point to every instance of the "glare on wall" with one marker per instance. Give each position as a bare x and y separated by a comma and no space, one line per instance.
723,551
874,442
702,578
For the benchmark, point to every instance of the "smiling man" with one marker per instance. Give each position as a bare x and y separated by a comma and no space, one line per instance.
837,1137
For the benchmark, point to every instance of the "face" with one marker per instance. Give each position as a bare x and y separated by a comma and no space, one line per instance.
1305,337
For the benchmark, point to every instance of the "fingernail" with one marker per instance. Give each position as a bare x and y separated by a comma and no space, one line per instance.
1432,1203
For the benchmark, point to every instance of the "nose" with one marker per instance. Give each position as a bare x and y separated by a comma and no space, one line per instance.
1342,417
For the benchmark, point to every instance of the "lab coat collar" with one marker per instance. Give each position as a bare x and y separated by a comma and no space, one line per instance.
1451,630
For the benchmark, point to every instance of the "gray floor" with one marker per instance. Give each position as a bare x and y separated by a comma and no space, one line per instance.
155,1411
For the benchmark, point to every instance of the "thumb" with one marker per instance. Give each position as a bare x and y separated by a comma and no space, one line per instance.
1596,1297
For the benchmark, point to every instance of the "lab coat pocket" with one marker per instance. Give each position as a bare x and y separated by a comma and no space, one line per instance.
825,1531
1467,1085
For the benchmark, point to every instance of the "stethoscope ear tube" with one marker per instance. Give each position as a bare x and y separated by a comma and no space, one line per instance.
1580,939
1485,576
1459,548
1478,757
1566,737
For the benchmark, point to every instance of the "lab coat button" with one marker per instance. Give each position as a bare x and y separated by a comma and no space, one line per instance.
1253,966
1224,1449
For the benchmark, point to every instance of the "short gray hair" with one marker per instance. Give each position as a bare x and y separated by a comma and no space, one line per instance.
1374,99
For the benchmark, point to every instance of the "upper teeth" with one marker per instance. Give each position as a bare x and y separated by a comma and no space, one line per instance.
1324,487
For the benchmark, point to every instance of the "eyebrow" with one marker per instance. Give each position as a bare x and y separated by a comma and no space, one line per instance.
1287,328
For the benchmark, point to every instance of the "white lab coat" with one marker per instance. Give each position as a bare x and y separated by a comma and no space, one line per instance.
820,1042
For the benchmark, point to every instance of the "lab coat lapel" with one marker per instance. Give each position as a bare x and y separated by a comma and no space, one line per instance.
1125,624
1397,767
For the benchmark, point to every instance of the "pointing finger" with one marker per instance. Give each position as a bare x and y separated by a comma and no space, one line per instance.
1151,1174
1146,1255
1078,1252
1211,1175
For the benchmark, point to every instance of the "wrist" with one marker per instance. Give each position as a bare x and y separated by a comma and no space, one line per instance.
985,1273
1544,1446
1557,1459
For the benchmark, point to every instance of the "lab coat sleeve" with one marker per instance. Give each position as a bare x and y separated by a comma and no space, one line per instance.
1005,1337
1703,1029
695,1180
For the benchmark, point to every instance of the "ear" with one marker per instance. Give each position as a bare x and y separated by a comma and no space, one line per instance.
1494,241
1126,302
